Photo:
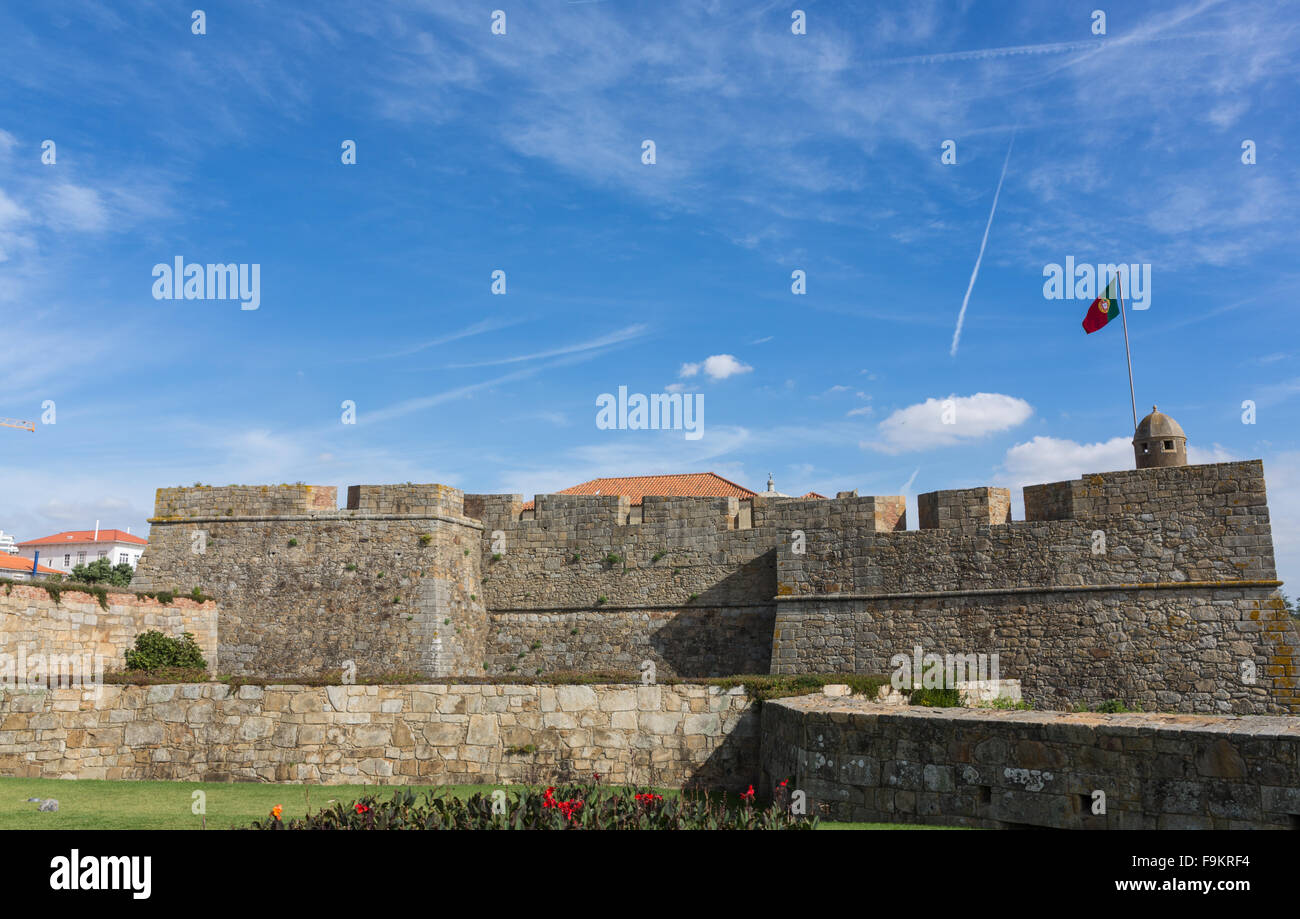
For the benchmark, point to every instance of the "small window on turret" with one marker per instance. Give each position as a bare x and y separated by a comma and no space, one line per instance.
1146,448
1169,444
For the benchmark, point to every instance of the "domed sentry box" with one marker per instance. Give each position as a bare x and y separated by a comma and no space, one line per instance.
1159,441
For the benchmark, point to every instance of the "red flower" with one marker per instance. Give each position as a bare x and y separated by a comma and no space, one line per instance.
362,809
782,785
749,795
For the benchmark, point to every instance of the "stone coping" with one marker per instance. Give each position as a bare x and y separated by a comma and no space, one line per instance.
1046,589
845,709
323,516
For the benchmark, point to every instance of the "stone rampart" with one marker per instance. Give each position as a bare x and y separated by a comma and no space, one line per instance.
406,734
391,583
1155,586
33,622
581,582
864,761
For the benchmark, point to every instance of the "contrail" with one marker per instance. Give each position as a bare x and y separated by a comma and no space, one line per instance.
961,317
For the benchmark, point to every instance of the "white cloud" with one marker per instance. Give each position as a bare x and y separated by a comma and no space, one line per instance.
75,207
1054,459
716,367
11,212
1282,471
945,422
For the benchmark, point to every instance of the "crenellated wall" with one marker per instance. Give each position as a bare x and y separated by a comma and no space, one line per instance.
392,583
1155,586
584,582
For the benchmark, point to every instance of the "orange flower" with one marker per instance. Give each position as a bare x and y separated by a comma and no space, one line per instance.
277,811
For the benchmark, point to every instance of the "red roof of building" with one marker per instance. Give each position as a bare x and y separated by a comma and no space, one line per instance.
16,563
636,487
813,494
74,536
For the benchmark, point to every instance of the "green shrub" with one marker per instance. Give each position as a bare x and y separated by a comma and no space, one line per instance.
613,559
101,571
292,542
426,538
1113,707
571,807
155,651
936,697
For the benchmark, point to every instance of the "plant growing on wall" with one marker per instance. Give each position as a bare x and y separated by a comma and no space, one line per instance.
156,651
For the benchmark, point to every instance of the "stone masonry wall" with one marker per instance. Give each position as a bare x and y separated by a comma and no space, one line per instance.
858,760
1156,586
584,584
33,622
391,583
405,734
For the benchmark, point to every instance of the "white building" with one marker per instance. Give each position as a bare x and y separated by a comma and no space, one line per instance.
65,551
7,546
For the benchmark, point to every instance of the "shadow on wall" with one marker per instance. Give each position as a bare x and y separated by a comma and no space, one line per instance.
708,638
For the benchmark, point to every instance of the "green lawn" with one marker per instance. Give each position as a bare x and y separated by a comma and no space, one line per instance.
88,804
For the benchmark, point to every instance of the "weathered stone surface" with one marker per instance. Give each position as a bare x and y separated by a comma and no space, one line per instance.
267,736
977,767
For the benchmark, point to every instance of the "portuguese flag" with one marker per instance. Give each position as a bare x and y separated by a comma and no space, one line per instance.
1104,308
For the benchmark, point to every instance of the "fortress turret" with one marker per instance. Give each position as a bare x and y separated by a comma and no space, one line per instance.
1159,441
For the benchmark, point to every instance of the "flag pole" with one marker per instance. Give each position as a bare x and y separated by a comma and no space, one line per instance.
1123,315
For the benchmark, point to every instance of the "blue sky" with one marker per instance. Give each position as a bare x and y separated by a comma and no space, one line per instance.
522,152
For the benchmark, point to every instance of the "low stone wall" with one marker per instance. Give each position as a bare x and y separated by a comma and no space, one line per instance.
409,734
33,622
860,760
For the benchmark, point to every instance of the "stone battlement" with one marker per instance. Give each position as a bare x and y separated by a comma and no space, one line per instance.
230,501
1153,582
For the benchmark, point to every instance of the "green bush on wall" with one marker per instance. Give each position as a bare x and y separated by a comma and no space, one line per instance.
155,651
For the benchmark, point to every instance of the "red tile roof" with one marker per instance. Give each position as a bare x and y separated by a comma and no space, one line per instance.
17,563
72,536
813,494
636,487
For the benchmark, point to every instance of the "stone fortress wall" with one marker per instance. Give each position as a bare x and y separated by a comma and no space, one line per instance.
1154,585
32,622
1176,613
589,582
858,760
437,733
391,582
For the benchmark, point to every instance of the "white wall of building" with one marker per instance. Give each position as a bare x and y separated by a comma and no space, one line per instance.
66,556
